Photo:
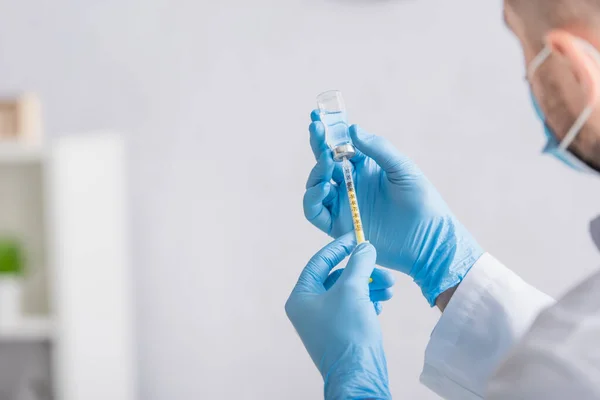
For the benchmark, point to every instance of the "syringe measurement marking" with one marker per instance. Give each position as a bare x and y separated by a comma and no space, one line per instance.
358,228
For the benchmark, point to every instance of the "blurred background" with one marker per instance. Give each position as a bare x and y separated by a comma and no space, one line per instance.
153,156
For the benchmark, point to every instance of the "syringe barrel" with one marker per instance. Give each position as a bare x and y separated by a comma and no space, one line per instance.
353,201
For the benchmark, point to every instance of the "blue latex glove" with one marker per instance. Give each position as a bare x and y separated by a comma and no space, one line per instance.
339,326
403,215
380,289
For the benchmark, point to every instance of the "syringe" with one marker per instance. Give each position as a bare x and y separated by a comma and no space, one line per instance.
356,220
333,115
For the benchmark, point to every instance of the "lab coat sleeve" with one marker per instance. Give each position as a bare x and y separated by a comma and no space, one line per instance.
491,309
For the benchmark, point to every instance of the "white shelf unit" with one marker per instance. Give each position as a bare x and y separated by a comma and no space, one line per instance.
66,203
15,153
31,330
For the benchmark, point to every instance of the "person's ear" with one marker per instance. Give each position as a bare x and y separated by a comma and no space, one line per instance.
585,68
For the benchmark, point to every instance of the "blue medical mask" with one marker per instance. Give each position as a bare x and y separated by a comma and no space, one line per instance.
560,149
553,147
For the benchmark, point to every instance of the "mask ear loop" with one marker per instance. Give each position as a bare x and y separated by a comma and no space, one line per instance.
576,128
587,111
538,61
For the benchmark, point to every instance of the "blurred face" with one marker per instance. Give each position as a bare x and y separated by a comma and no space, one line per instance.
565,83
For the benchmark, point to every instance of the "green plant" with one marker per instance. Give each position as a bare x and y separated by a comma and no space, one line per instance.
12,260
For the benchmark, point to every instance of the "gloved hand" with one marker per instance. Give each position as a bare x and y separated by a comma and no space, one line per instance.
403,215
338,325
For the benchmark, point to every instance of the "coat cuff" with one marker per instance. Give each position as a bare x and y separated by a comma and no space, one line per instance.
491,309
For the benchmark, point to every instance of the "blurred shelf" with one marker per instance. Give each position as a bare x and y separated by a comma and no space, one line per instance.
35,329
19,153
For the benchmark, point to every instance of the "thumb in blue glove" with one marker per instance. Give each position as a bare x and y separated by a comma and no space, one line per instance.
339,326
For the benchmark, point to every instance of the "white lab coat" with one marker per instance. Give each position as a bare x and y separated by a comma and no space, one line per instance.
485,345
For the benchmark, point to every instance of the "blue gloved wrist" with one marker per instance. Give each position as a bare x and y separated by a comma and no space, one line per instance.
453,253
361,373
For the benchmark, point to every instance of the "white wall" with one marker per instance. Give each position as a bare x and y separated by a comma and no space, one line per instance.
216,97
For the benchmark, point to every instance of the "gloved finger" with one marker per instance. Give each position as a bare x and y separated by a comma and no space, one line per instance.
315,115
338,174
317,201
332,278
319,147
318,144
325,194
395,164
322,172
378,307
382,279
317,138
376,295
360,266
317,270
358,156
381,295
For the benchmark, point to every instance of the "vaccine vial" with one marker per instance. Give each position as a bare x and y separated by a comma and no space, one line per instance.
333,115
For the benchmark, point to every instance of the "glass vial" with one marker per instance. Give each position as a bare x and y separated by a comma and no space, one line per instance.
333,115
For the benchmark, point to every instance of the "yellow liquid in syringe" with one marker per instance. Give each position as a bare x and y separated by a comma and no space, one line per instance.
358,227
